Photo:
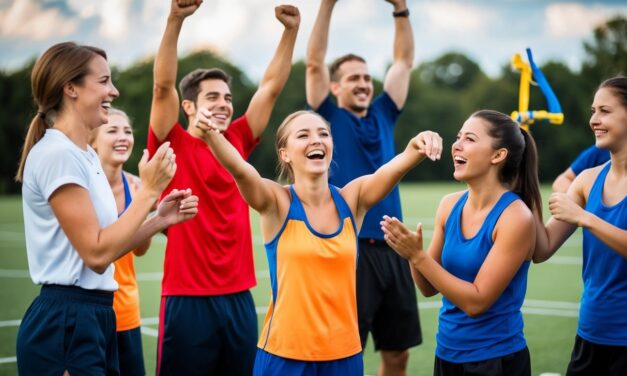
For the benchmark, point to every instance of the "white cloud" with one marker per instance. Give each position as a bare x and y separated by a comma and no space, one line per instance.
115,20
571,20
27,19
451,17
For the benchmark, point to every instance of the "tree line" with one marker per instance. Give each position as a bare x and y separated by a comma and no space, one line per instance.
442,94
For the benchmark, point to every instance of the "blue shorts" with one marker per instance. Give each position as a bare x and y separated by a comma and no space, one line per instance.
131,353
68,328
267,364
207,335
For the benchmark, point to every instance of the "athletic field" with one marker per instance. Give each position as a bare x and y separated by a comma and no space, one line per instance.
550,308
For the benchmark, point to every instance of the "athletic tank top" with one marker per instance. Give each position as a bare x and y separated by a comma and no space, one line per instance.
126,298
603,311
498,331
312,315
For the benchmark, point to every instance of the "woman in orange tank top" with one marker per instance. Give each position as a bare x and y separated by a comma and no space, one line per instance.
114,143
309,229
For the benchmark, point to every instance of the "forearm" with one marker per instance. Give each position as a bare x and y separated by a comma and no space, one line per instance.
318,41
609,234
142,238
425,287
165,65
119,238
278,71
465,295
403,52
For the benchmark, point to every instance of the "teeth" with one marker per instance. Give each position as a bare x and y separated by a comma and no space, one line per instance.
457,158
315,153
106,105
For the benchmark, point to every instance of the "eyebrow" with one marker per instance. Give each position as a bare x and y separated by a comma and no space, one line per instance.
468,134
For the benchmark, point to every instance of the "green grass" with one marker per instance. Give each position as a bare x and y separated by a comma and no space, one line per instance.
553,291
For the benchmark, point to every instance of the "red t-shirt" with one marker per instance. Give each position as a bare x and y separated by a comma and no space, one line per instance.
210,254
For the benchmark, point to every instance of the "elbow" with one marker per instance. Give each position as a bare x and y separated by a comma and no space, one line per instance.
97,266
161,90
475,309
427,292
314,67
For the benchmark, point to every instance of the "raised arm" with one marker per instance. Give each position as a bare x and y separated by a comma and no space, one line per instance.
317,80
397,79
258,192
366,191
164,110
97,246
277,73
512,246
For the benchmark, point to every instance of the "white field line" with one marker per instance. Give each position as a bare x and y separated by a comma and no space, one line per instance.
10,359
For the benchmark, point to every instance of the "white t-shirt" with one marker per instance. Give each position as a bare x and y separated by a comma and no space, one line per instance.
55,161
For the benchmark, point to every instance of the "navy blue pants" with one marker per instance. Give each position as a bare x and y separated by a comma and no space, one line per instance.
267,364
131,353
207,335
68,328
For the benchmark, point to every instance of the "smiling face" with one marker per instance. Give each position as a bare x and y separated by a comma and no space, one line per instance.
354,88
215,96
473,153
114,140
609,120
306,145
92,97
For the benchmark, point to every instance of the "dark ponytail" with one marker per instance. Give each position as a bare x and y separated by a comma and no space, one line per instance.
520,169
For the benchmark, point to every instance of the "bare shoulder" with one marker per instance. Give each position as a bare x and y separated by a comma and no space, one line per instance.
447,202
133,181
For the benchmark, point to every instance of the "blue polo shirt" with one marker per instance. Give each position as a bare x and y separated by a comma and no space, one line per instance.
362,145
590,157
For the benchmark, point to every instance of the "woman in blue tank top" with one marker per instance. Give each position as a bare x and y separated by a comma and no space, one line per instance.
305,150
481,248
597,202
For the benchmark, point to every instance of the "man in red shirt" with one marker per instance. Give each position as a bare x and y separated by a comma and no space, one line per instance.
207,320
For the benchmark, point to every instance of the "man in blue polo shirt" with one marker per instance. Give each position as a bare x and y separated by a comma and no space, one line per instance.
363,131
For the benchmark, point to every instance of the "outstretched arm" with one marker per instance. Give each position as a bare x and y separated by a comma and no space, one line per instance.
275,77
512,246
368,190
396,82
317,80
164,111
259,193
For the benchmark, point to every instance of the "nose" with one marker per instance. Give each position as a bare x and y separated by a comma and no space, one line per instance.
594,118
114,91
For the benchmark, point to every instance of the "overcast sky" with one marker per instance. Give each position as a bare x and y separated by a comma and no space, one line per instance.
246,32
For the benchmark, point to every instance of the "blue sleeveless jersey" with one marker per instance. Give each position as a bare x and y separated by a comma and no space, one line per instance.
603,311
498,331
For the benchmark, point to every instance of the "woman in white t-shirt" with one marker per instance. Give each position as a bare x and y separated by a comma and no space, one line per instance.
73,234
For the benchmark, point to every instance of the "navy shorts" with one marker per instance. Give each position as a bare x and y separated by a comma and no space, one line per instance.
207,335
131,353
68,328
267,364
592,359
516,364
386,298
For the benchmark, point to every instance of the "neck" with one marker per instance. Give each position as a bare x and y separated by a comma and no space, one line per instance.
74,129
484,192
312,191
113,173
619,162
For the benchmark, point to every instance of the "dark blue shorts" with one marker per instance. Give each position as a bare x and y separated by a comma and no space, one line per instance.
68,328
207,335
130,352
267,364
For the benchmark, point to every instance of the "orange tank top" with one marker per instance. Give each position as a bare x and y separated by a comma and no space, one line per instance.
312,315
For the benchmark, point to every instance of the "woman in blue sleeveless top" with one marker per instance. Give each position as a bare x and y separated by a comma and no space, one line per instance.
597,202
479,255
310,229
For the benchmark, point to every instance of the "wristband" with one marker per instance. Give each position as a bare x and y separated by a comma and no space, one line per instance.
401,13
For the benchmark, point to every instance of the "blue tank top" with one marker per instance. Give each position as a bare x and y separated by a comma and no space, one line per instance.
603,311
127,194
498,331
